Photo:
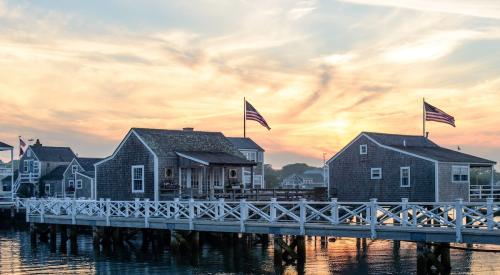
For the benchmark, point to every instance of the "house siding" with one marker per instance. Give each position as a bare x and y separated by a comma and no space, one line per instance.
86,190
350,175
114,176
450,191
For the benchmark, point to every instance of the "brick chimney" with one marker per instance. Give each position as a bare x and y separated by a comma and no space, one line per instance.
37,143
188,129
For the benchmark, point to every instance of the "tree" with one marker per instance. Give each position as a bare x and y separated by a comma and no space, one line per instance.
272,177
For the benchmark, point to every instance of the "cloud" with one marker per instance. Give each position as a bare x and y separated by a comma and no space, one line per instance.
301,9
478,8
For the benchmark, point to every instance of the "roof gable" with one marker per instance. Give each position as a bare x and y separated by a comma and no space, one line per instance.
56,174
87,164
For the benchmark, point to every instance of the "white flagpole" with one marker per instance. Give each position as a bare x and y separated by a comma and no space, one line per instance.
244,117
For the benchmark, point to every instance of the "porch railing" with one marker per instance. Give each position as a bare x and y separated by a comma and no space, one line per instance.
482,192
457,216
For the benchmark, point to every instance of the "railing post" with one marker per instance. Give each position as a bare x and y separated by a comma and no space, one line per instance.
272,210
334,209
458,220
404,211
414,214
73,211
373,218
489,213
146,213
302,216
108,211
136,207
42,211
176,208
221,209
27,203
243,214
191,213
101,207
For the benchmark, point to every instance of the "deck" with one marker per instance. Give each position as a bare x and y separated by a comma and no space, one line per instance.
408,221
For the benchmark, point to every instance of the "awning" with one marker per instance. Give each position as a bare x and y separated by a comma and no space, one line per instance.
215,158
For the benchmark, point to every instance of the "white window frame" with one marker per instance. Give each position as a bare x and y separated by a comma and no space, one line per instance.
26,166
372,172
71,183
217,178
45,190
405,168
134,179
74,168
460,167
79,184
363,149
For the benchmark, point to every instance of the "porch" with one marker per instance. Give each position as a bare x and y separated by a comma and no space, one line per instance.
205,175
482,183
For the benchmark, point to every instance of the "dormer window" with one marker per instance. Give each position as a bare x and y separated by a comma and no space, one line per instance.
28,153
363,149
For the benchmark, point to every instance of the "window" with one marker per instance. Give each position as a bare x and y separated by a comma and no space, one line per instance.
233,174
47,189
376,173
217,177
26,166
28,153
363,149
74,168
71,184
79,184
137,178
250,155
169,173
195,178
460,173
405,176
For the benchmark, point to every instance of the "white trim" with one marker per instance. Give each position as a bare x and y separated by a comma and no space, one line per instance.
132,178
156,170
380,172
365,152
460,167
70,164
83,175
343,149
192,158
116,150
436,181
398,150
45,189
401,169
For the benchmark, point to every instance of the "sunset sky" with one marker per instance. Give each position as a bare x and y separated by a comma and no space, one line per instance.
81,73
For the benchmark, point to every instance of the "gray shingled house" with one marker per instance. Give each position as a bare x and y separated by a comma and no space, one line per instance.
391,167
162,164
78,178
253,152
52,182
40,160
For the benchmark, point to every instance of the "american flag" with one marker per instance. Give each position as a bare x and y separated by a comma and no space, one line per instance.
253,114
22,146
434,114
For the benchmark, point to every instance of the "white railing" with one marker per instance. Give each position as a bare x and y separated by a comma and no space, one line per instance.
29,177
373,215
5,171
481,192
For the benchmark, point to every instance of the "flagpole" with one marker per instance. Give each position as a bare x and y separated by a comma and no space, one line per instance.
244,117
423,116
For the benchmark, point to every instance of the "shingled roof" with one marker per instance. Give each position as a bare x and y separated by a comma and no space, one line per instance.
56,174
167,142
5,146
422,146
244,143
88,163
54,154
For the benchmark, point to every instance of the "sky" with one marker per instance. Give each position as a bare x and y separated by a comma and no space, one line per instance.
82,73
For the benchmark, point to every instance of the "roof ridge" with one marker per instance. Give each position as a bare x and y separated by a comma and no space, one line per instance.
391,134
176,130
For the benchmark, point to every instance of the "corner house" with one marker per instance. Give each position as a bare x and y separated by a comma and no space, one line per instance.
161,164
391,167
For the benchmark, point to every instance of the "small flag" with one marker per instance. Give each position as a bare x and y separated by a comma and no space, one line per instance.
22,146
434,114
253,114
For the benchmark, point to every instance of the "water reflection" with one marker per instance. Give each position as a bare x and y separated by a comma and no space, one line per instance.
222,256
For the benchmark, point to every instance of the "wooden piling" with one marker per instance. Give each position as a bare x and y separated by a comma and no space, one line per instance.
278,252
33,234
74,238
53,238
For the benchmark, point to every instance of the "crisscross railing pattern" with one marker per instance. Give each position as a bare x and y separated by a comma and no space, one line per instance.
374,215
